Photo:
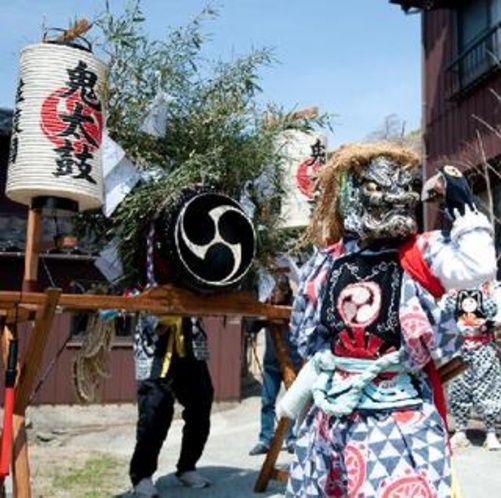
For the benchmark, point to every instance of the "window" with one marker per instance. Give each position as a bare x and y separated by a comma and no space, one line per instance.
478,41
124,322
473,21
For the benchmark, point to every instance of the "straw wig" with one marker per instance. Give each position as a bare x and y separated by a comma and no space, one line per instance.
326,225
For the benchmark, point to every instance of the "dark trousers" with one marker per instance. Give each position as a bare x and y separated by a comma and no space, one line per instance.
189,382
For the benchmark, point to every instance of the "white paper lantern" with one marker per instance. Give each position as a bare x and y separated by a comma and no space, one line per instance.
304,154
57,127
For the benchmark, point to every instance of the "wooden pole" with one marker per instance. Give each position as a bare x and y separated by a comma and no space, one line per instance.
20,460
26,379
78,29
19,455
268,470
33,233
19,452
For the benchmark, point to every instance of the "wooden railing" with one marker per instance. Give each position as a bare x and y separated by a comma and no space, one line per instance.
478,61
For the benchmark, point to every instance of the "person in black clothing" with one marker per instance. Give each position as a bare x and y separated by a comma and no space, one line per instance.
171,364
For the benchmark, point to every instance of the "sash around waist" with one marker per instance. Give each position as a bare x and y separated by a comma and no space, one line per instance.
345,384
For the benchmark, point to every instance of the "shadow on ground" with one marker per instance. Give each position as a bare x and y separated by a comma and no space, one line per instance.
476,436
227,482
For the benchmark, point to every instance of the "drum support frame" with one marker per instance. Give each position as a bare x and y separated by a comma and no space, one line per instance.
41,307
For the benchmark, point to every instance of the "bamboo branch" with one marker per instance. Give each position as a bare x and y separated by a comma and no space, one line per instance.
487,125
485,172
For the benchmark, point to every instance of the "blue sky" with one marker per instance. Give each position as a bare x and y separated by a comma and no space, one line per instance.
357,59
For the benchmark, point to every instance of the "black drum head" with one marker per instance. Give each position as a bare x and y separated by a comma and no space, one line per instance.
209,241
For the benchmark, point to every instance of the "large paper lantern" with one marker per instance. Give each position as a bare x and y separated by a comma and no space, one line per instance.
304,154
55,153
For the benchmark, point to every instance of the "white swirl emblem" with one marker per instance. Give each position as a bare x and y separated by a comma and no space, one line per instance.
200,250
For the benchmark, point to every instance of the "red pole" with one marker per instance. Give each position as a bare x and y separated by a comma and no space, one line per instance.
8,407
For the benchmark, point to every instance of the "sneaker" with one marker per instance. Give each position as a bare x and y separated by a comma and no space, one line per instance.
492,442
259,449
145,489
192,479
459,440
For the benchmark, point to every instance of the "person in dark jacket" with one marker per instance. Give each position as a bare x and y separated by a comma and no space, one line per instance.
171,356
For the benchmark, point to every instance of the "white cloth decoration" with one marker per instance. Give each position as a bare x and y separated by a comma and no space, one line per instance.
109,263
155,122
264,184
246,202
265,284
120,175
152,174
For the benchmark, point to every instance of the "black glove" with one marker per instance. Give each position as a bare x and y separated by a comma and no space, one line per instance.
458,193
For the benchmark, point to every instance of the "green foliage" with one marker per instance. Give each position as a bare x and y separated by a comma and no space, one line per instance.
217,134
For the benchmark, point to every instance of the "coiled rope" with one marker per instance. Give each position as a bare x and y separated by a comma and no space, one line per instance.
91,363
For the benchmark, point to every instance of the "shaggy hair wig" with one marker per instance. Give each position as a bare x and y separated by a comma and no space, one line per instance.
326,225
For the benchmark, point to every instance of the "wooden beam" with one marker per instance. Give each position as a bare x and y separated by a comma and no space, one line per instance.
164,300
19,315
79,28
33,233
278,330
36,346
6,337
268,470
20,462
28,372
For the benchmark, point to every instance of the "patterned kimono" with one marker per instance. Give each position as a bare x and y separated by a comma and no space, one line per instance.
479,386
369,327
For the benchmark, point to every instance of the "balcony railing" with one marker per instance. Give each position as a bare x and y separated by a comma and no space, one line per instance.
475,63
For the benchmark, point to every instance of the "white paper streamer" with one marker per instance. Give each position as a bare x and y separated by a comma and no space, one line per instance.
109,263
155,122
120,175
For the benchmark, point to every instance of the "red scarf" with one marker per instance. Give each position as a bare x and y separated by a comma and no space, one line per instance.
414,264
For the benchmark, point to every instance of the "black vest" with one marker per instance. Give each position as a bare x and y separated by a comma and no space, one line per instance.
361,304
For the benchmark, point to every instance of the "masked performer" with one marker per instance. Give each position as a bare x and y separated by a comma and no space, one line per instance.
367,320
477,312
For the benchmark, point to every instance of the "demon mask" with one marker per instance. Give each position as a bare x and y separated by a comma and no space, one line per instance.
380,201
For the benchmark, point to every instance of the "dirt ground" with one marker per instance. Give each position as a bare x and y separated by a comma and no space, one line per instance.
93,444
68,443
63,440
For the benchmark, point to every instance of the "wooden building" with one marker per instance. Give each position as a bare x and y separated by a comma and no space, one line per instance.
72,272
461,90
